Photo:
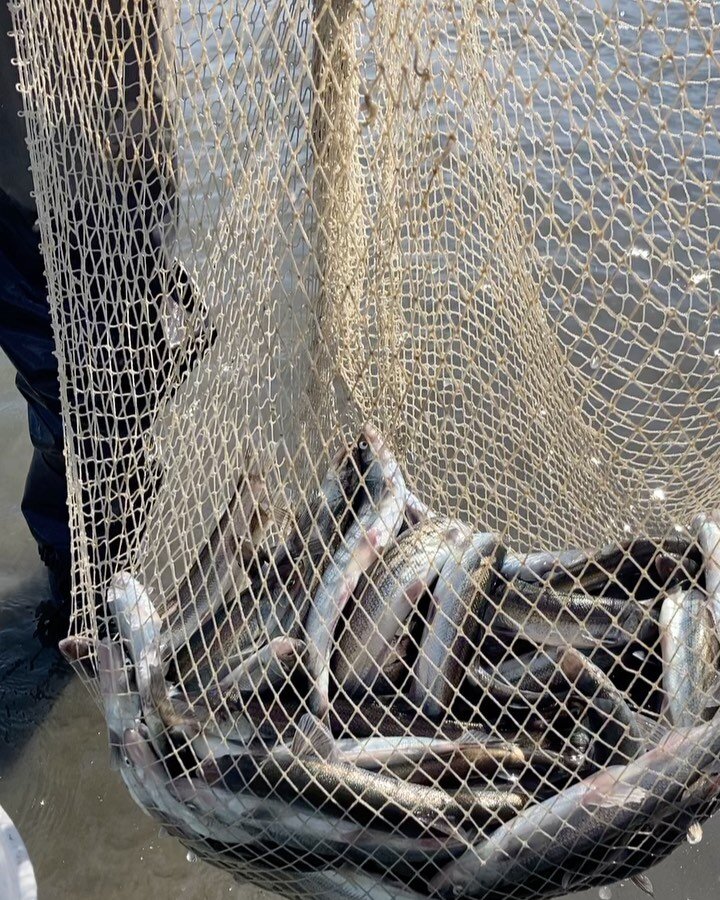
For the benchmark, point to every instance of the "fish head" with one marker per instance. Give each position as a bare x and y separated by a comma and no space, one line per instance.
706,520
457,536
350,467
136,751
357,472
673,569
377,458
129,601
706,527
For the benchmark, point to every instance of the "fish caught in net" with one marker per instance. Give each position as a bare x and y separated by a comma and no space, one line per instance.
389,372
448,717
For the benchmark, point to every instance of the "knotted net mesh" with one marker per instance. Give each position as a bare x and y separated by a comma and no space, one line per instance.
388,350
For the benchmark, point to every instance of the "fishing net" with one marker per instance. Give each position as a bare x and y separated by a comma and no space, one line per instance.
389,368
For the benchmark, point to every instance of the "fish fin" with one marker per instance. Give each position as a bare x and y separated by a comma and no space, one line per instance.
312,737
476,736
652,730
643,882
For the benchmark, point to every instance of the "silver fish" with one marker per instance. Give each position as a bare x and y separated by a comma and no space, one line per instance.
690,651
392,590
311,770
621,563
223,814
225,639
319,525
277,599
121,703
140,626
137,620
431,758
315,832
123,715
599,811
707,528
123,712
452,632
376,524
618,729
141,766
265,668
553,618
538,565
532,678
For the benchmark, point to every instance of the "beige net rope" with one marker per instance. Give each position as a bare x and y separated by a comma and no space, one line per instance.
356,306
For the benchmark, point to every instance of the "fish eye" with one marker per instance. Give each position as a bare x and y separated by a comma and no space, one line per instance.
363,445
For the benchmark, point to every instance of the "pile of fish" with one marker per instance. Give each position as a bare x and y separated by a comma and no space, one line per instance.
388,704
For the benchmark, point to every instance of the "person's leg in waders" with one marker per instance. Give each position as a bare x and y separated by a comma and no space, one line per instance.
144,216
27,339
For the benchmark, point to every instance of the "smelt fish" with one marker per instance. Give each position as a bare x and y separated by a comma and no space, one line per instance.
690,651
617,728
222,563
455,620
378,521
552,618
391,593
